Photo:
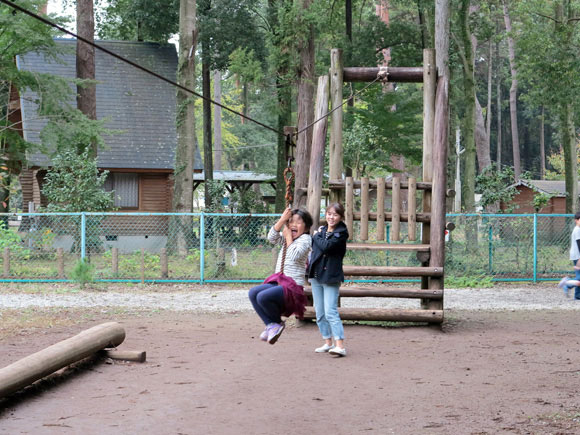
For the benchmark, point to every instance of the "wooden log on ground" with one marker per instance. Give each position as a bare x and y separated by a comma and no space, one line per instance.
401,74
40,364
380,209
384,314
364,209
125,355
317,153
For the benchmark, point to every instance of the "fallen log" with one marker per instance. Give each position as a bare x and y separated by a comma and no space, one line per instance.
40,364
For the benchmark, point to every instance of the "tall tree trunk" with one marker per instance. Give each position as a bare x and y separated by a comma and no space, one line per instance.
85,63
468,184
207,145
442,36
481,137
513,93
305,110
217,119
498,105
186,142
489,92
570,157
542,147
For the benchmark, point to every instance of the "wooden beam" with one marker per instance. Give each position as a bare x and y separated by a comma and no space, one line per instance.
393,74
339,184
365,292
392,271
407,247
317,153
335,155
40,364
384,314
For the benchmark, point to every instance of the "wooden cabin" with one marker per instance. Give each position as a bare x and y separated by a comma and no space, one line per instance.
527,189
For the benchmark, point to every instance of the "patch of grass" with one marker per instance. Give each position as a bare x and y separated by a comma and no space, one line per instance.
470,281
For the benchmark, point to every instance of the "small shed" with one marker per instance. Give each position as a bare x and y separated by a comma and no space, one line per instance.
529,188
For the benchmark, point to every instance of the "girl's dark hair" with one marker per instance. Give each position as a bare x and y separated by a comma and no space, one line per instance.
305,217
338,209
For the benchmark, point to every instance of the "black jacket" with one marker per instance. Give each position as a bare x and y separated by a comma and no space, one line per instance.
328,250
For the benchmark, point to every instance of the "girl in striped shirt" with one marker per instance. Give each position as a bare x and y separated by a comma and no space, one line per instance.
282,294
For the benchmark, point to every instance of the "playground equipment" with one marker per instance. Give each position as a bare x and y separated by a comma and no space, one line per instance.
40,364
430,252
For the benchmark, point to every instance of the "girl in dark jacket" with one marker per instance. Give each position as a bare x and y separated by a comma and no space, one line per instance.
325,273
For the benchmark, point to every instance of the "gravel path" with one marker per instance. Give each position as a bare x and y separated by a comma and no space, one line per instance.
539,297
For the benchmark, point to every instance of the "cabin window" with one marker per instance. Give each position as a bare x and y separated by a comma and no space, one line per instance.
126,187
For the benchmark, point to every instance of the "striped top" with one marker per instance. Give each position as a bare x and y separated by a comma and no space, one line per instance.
296,255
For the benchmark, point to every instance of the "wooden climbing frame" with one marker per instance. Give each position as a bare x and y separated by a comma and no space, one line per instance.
430,249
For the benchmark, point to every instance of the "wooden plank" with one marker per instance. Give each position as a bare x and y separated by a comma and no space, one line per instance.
365,292
40,364
412,209
339,184
364,209
317,153
335,150
402,247
384,314
396,210
380,208
392,271
349,212
395,74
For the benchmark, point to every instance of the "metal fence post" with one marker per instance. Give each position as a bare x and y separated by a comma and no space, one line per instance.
83,235
201,246
535,247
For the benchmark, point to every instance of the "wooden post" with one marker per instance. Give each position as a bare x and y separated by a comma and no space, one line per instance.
317,154
439,185
349,205
396,209
164,265
364,208
115,261
429,88
380,209
142,265
38,365
60,262
335,147
412,209
6,262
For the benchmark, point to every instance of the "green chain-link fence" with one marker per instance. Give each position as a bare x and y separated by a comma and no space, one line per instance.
216,247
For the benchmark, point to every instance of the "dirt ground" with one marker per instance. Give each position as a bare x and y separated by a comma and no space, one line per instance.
482,373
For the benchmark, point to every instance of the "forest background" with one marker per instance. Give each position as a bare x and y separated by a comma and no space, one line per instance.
513,69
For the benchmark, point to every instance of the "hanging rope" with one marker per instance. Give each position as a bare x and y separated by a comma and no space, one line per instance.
289,180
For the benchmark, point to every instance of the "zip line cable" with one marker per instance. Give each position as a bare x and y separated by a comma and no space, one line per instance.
136,65
173,83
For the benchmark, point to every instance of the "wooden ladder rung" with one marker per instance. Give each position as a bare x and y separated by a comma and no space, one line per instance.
340,184
392,271
404,217
384,314
366,292
403,247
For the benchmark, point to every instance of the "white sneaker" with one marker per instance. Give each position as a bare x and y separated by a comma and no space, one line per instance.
338,351
324,348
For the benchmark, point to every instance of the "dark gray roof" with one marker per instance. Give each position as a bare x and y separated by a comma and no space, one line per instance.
553,187
240,176
140,105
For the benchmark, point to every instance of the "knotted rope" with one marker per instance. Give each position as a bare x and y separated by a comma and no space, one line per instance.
289,179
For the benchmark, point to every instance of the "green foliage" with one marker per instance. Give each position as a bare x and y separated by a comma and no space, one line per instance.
216,189
470,281
11,239
496,186
541,200
83,272
74,184
247,202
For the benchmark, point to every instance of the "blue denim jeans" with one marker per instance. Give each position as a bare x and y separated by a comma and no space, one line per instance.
326,304
268,301
576,289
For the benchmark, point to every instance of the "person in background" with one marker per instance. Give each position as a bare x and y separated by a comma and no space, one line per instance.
566,283
325,275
